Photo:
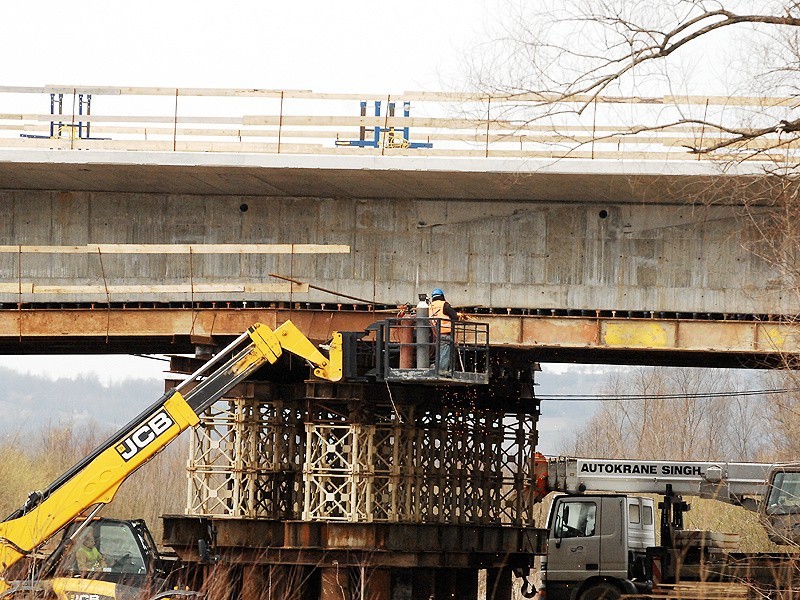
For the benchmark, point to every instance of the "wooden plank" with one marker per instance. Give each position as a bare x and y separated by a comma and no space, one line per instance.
180,288
182,249
357,121
478,136
18,89
51,143
167,141
17,287
438,97
286,122
479,150
67,119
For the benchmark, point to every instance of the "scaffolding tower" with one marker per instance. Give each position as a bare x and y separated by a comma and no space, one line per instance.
382,488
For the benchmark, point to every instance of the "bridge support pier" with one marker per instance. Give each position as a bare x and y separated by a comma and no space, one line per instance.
367,494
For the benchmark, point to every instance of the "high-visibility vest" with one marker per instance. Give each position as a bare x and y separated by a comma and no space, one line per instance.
436,311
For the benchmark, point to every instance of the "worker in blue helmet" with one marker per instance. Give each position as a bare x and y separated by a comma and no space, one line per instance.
442,316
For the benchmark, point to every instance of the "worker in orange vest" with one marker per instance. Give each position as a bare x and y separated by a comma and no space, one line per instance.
442,315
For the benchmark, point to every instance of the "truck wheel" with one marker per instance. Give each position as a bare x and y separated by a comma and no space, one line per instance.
601,591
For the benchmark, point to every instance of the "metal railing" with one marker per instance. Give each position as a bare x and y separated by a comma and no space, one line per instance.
416,350
412,124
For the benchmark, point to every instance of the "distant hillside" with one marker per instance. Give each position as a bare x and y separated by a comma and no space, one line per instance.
33,401
36,402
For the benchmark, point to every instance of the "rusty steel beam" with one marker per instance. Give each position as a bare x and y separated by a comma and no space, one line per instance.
763,337
374,545
199,324
155,330
577,338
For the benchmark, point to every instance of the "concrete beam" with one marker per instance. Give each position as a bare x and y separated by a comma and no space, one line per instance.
343,176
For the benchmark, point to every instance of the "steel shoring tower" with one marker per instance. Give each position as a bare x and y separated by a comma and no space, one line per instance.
443,465
421,489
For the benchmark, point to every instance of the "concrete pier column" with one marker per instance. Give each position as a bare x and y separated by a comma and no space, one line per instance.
335,583
498,584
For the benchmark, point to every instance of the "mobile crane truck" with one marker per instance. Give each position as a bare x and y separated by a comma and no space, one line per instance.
131,566
601,546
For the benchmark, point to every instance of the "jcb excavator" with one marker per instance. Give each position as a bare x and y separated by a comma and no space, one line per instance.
122,558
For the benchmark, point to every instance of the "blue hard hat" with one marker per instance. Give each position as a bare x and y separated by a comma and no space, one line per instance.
437,292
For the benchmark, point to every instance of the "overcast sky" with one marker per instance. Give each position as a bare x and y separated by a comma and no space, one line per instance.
354,46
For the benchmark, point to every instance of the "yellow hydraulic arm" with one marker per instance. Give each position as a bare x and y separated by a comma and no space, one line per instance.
96,479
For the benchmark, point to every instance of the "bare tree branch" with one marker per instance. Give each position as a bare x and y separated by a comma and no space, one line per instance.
614,41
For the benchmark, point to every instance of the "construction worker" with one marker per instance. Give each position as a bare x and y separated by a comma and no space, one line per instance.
441,309
87,555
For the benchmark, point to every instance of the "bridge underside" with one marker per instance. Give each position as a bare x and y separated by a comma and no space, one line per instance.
711,340
159,253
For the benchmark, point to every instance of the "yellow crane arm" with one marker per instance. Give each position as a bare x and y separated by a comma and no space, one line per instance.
96,478
98,482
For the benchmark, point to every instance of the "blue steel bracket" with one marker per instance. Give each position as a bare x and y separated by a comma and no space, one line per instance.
392,136
56,127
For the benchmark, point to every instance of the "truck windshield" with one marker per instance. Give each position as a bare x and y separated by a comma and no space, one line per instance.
575,519
784,494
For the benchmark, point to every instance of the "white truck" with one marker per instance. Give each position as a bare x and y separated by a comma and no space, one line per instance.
603,545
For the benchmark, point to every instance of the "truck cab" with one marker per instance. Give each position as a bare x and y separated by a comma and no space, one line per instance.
779,511
602,544
596,546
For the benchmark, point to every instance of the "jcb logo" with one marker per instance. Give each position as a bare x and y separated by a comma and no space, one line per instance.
144,435
85,597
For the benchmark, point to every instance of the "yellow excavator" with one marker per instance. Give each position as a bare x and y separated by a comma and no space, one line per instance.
104,559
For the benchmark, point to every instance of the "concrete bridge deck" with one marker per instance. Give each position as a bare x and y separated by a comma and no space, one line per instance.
574,180
176,209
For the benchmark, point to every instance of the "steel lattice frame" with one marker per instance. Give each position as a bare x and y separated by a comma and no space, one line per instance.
246,460
326,461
